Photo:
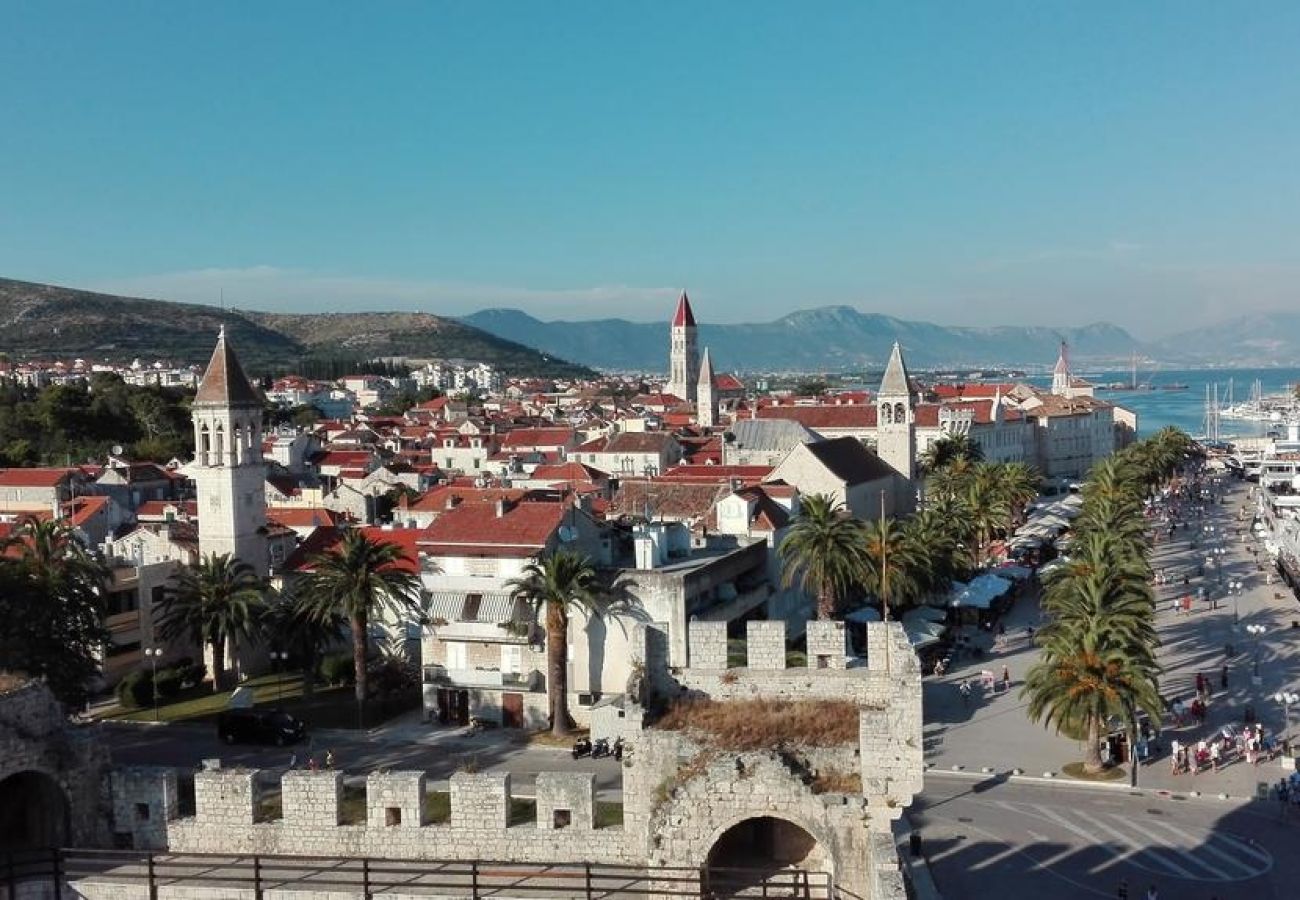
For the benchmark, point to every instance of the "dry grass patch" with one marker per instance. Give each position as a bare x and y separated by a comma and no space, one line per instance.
837,783
763,724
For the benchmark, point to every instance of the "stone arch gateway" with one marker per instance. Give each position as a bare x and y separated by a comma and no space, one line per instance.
758,848
35,813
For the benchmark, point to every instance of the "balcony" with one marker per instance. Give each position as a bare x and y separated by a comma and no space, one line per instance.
531,680
485,632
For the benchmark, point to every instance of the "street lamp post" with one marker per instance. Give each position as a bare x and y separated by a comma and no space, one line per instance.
153,654
278,660
1286,698
1255,631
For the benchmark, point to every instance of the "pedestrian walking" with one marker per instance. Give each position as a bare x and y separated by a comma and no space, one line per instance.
293,761
1006,678
1152,893
1223,678
311,764
964,689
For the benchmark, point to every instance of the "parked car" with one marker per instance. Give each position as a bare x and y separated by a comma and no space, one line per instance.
259,726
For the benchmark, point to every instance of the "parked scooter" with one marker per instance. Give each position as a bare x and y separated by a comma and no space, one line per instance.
581,747
601,748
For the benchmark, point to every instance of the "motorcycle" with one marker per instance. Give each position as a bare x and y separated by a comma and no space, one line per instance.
581,747
601,749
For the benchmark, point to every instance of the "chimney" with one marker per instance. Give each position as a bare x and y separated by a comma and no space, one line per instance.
453,501
501,506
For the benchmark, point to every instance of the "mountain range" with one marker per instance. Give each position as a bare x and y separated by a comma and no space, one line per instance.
840,338
45,321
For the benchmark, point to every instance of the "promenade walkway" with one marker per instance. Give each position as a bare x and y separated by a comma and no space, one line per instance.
992,730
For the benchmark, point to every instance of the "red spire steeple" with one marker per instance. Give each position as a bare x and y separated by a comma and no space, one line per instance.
683,316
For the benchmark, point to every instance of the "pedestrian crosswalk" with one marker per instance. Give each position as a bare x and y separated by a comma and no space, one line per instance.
1153,843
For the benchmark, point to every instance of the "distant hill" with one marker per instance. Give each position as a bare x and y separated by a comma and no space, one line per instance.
41,320
1250,341
829,338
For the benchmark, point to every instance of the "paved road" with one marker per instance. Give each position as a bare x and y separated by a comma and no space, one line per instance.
1013,840
993,730
186,746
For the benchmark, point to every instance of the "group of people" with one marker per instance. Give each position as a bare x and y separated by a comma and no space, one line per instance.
1250,744
1287,795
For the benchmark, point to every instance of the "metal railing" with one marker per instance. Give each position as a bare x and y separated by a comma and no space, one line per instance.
366,877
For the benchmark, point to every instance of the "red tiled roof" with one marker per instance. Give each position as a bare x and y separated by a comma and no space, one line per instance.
537,437
36,477
523,529
82,509
324,540
725,382
717,474
302,516
156,509
570,471
849,415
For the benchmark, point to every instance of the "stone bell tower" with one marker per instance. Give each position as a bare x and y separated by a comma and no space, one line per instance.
896,426
683,353
228,469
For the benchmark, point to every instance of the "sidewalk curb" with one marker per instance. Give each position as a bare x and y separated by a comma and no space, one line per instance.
1066,781
917,869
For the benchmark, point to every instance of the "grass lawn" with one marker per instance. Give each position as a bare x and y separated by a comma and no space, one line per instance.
329,707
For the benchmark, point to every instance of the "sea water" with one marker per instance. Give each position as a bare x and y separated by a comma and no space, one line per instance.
1186,409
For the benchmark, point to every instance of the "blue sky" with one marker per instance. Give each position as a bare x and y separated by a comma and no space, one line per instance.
968,163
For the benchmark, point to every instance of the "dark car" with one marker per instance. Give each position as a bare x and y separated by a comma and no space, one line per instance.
259,726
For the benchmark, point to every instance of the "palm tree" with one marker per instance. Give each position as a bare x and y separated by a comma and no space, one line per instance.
1019,484
52,607
948,448
553,584
989,506
892,565
1083,688
304,629
825,552
217,603
362,578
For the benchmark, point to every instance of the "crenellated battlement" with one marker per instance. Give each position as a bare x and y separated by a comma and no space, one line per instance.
679,793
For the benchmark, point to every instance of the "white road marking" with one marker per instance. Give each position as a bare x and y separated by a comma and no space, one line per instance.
1263,862
1216,874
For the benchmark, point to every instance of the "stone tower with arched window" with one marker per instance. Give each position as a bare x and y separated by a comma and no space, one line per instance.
228,469
896,421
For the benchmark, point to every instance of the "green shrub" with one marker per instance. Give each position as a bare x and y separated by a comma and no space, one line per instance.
337,668
168,682
135,690
191,672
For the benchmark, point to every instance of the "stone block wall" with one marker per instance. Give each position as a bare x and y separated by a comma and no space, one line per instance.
566,800
480,800
828,645
395,798
765,645
308,797
145,799
225,797
708,645
36,737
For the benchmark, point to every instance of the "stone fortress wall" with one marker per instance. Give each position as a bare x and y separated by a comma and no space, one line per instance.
677,801
51,772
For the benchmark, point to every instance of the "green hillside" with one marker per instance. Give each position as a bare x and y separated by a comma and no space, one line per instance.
45,321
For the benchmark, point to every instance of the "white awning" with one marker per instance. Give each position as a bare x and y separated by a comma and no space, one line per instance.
457,606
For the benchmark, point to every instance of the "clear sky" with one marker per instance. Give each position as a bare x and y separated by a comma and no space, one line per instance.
970,163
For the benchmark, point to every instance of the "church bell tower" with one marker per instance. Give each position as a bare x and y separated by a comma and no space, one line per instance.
228,469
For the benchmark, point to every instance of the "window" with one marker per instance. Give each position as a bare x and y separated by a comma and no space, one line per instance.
511,659
469,612
122,602
563,818
142,812
457,657
393,815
